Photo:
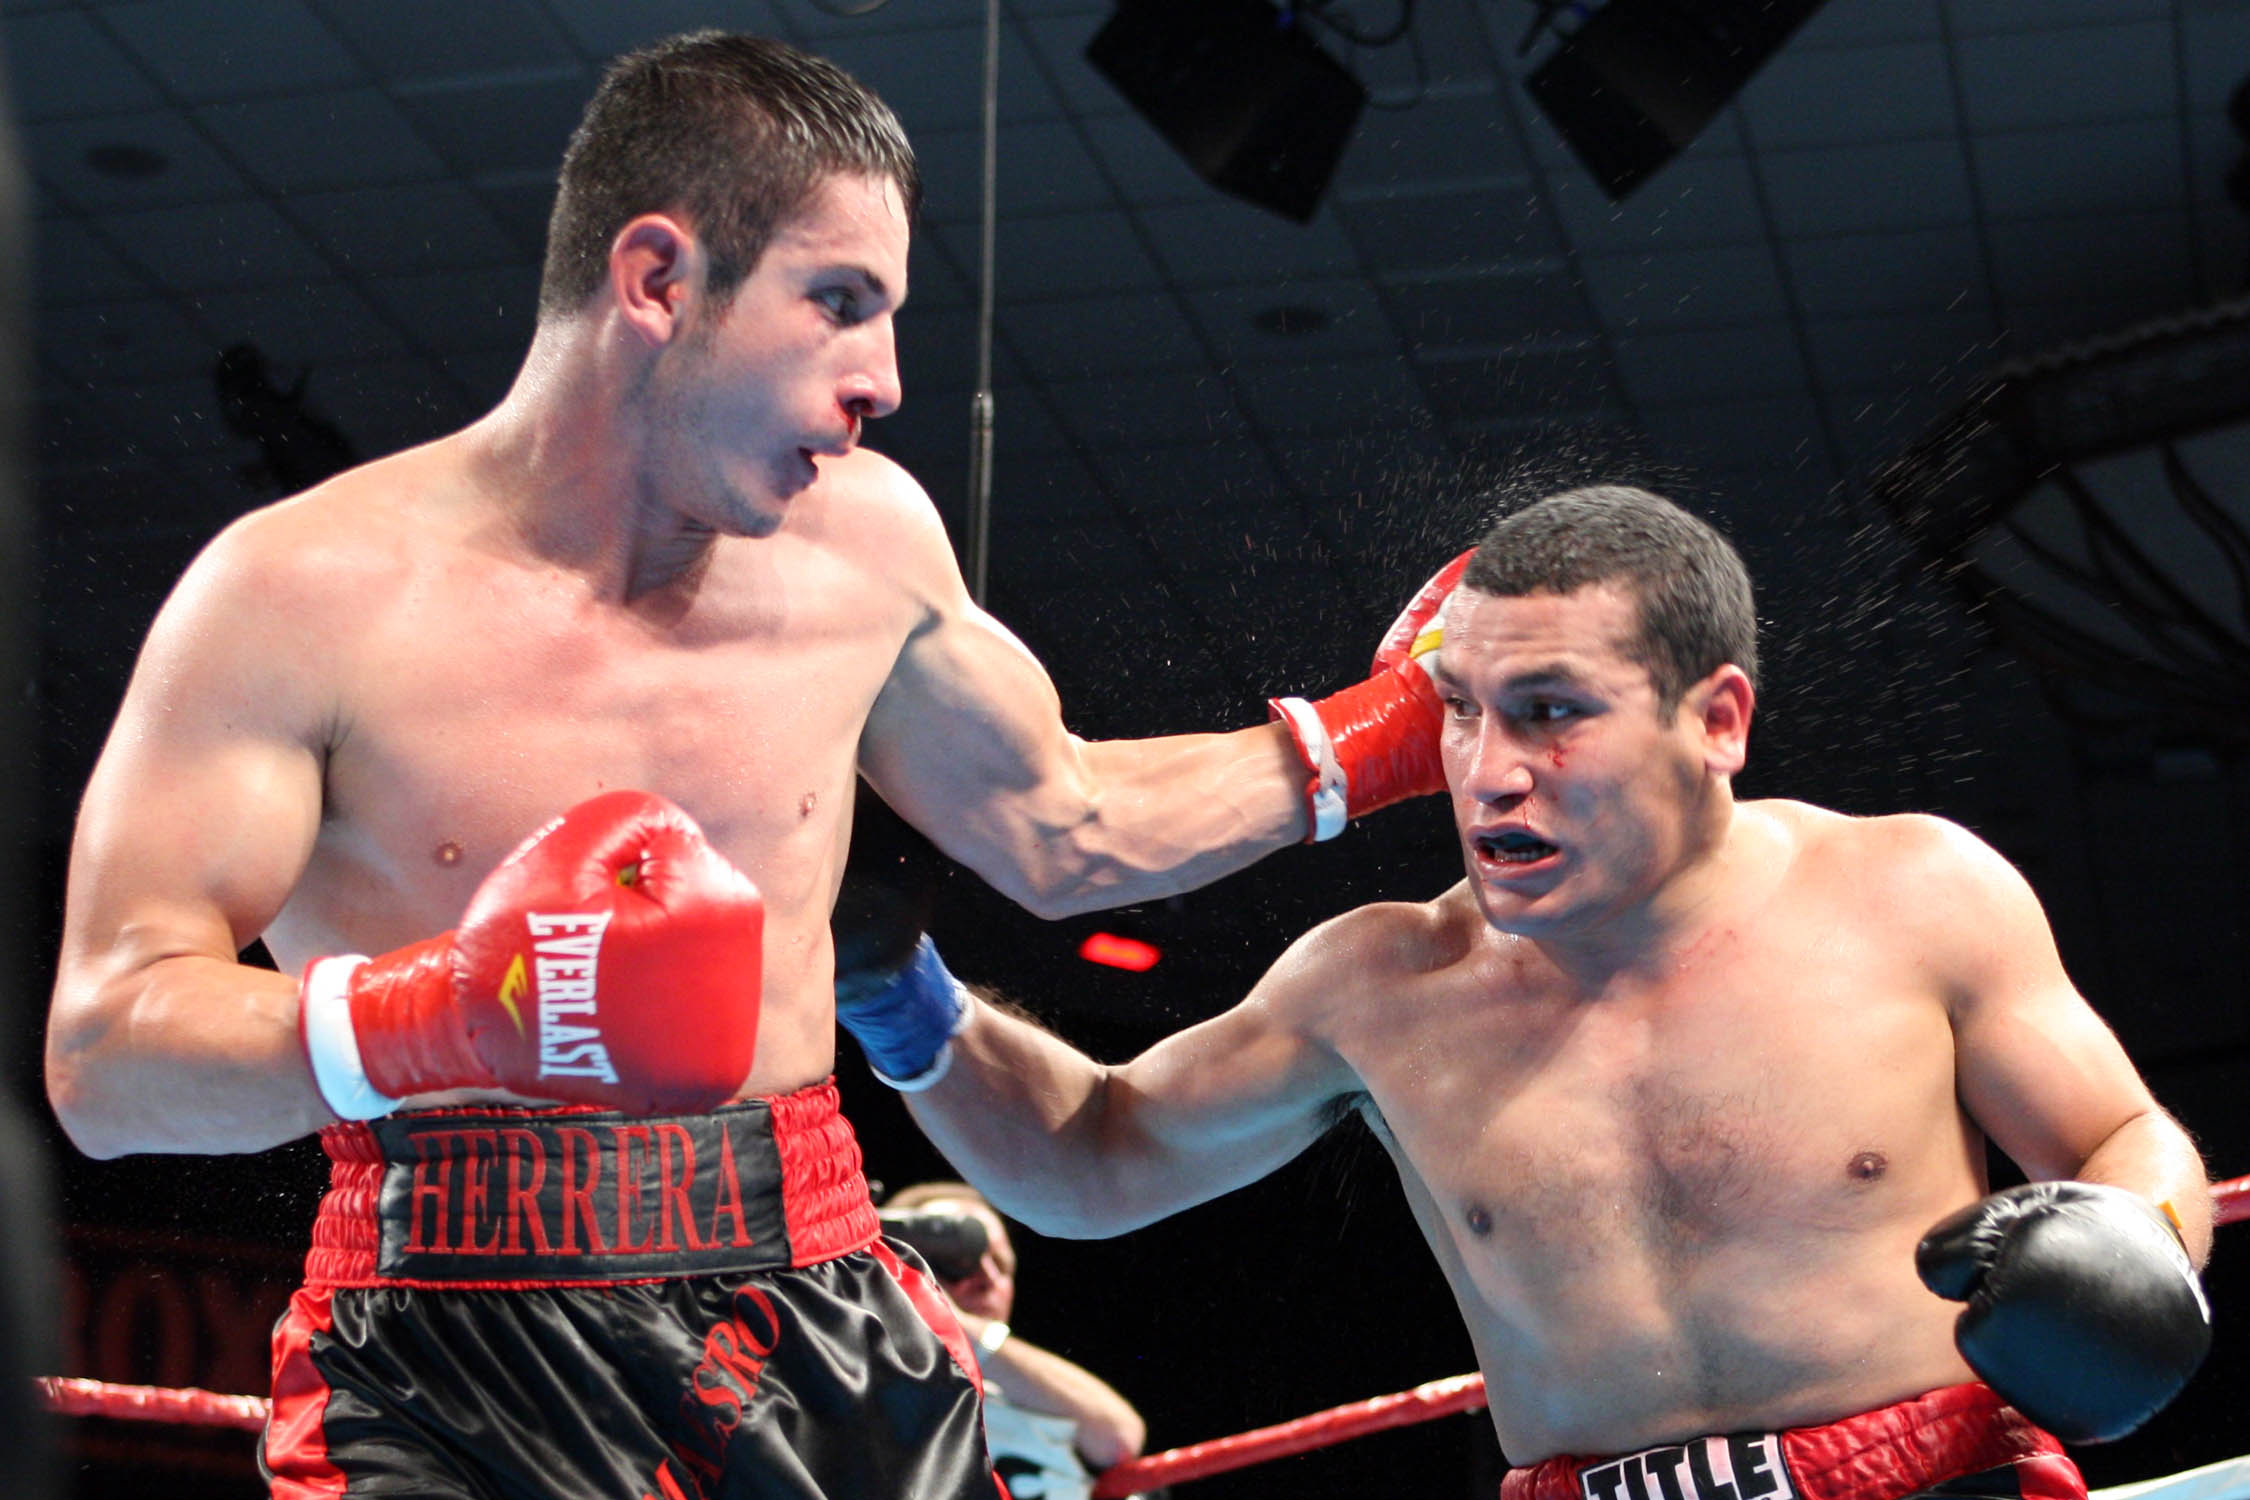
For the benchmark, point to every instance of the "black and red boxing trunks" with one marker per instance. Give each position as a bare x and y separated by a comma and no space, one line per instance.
1961,1441
561,1304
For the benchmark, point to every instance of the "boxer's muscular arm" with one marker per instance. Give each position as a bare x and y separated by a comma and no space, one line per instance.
198,820
967,742
2037,1068
1081,1150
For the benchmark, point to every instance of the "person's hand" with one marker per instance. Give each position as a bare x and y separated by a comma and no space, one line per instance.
1376,742
614,959
2084,1312
904,1018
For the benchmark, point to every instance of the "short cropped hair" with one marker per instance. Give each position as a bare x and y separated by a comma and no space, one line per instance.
1696,610
733,133
919,1193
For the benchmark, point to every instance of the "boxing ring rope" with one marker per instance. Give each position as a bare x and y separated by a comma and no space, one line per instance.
2226,1480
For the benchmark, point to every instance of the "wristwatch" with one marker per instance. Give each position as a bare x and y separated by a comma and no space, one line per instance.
995,1334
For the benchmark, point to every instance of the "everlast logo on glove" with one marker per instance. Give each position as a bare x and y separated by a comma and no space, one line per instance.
567,949
1744,1466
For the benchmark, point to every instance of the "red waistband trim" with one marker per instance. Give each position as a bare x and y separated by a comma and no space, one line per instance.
490,1197
1891,1451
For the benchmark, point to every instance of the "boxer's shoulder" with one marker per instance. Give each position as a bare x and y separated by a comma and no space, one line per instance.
1376,948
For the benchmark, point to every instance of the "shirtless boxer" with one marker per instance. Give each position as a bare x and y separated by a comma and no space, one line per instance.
663,564
1675,1084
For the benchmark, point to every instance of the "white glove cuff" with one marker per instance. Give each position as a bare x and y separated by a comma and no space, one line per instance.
1330,784
927,1078
330,1043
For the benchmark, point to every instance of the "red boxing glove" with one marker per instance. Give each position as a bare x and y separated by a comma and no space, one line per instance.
1376,742
614,959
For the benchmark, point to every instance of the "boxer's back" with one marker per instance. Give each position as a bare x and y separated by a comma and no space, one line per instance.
1685,1200
477,685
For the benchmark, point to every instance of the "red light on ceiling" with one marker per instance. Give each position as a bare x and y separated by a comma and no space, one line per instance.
1119,952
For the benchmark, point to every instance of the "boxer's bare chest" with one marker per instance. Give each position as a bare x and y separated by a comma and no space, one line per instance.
1787,1078
477,702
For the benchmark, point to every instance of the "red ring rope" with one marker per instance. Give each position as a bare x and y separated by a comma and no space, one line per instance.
2230,1204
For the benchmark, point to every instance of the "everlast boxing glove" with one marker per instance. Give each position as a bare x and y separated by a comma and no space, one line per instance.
953,1244
2084,1312
613,959
1376,742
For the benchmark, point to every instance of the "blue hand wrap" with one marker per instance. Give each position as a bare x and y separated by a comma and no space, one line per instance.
906,1024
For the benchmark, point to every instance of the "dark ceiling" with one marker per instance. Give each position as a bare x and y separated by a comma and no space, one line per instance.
1229,443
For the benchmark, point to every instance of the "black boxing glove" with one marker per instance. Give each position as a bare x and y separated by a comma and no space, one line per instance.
2084,1312
953,1244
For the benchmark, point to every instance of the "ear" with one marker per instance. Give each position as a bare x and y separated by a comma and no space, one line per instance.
1721,706
655,263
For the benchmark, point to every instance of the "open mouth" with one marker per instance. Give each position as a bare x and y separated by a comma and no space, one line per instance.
1513,846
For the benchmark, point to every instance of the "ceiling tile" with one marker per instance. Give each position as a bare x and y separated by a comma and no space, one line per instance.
1706,200
511,125
463,311
2022,80
1447,48
1685,287
1086,336
60,63
1118,411
169,419
1031,556
2081,169
224,49
603,28
2214,39
307,323
1173,491
311,141
202,247
937,348
1355,327
520,204
116,343
1898,351
1346,396
2036,328
1532,380
2115,255
2214,147
828,20
384,405
1972,16
951,164
1855,189
1439,231
407,226
1221,242
1779,431
1541,299
933,77
1866,273
70,263
1667,369
1850,95
1044,168
1060,44
1043,488
1343,464
56,151
1060,255
1447,137
1852,23
417,39
1145,167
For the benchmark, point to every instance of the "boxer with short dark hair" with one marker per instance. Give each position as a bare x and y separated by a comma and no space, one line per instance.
663,562
1689,1097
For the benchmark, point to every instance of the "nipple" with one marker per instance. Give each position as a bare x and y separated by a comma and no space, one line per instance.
1479,1219
1868,1165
